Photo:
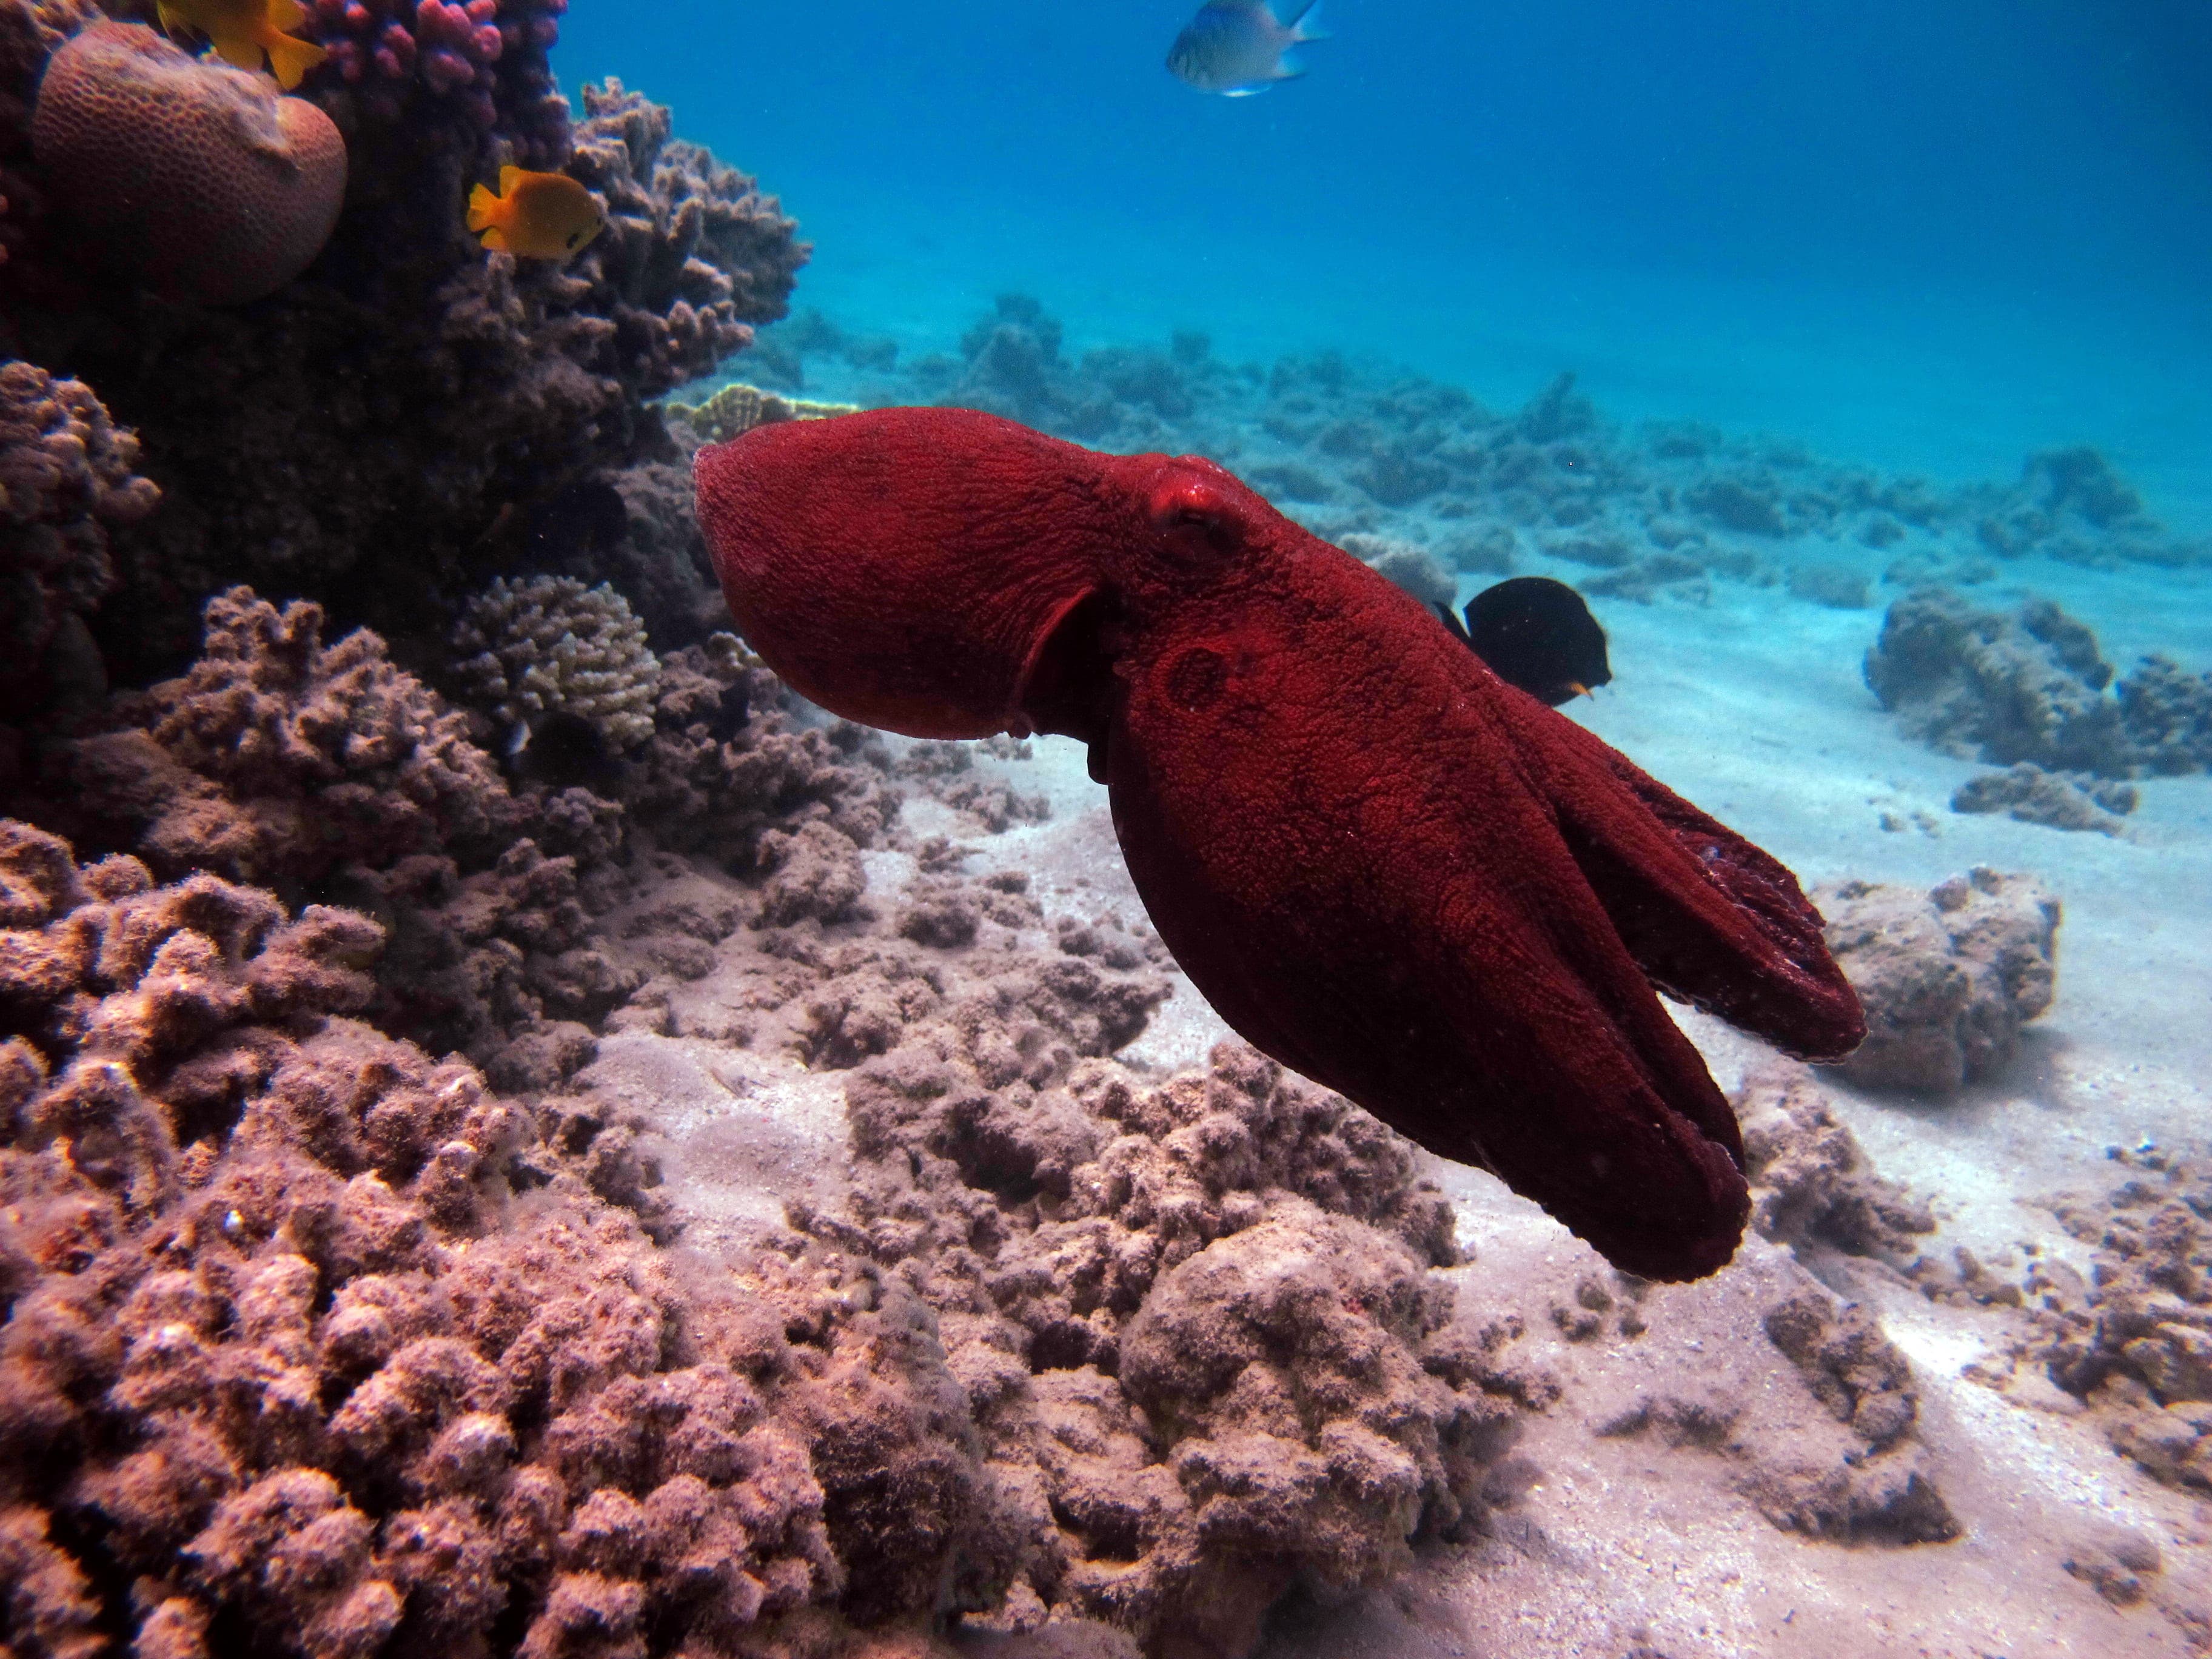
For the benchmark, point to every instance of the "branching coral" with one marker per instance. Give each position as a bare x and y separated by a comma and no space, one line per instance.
277,756
282,1369
693,254
324,768
484,58
551,644
66,475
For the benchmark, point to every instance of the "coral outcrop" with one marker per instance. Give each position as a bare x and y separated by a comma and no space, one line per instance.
1195,1323
1812,1187
2168,713
550,646
1946,977
2130,1338
2002,689
66,476
363,437
187,177
1883,1490
2031,795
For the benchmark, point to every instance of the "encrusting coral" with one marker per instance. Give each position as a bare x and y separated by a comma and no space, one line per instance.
66,475
1946,977
191,178
551,644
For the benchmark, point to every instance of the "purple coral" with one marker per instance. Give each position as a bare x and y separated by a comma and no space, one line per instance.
486,57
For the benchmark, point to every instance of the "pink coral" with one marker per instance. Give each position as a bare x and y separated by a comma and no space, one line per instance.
277,1348
189,178
486,58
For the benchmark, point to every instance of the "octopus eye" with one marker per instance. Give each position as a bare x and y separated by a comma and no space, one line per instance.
1195,513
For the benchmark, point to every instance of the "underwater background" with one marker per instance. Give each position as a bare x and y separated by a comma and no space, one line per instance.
1922,237
521,1133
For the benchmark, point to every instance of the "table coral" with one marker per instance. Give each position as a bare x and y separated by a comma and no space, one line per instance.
187,177
66,476
1946,977
551,644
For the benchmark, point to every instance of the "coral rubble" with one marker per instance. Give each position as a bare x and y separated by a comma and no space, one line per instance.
1946,977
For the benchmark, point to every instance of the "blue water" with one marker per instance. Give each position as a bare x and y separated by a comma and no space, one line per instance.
1921,236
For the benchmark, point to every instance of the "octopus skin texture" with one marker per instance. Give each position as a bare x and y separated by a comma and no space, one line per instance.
1383,864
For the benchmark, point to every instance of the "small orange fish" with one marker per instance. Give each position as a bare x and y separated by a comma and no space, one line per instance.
534,215
244,31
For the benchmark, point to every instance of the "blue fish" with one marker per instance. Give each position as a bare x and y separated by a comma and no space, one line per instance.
1238,47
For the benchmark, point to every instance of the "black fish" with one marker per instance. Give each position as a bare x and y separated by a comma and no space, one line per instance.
1538,635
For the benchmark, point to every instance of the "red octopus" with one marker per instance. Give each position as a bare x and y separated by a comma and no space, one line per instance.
1379,862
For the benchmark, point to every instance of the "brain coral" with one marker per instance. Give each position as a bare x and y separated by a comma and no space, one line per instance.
191,178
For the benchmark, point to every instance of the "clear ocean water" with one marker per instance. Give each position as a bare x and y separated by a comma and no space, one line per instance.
1926,237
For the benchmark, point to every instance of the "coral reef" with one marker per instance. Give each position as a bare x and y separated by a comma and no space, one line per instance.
2027,687
283,1355
2029,794
549,645
1194,1323
362,436
1946,977
65,477
191,178
1812,1188
2130,1338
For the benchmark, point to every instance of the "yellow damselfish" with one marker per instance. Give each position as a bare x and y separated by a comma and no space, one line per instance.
244,31
538,215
